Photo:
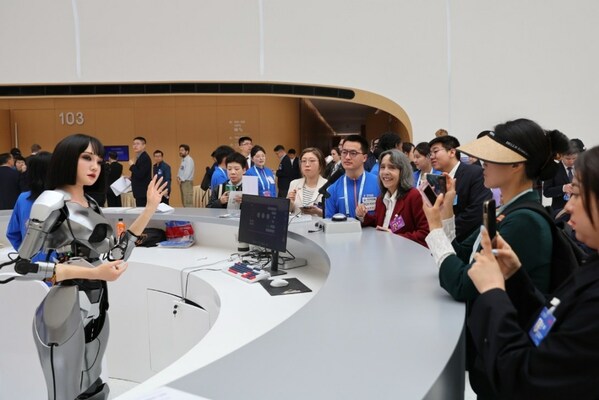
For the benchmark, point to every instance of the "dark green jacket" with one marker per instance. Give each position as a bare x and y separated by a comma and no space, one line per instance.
525,231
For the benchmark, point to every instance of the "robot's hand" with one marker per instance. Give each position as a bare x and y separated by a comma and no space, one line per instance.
125,245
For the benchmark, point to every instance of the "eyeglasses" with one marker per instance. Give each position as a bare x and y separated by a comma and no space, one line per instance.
434,152
309,161
350,153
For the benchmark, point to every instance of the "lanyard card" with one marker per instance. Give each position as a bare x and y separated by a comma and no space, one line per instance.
541,327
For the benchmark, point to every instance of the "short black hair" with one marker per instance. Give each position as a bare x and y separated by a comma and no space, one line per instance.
406,147
256,149
292,151
18,157
15,151
222,152
238,158
37,172
65,158
243,139
573,148
35,147
279,147
448,142
578,143
185,146
4,157
140,138
112,155
389,140
360,139
154,153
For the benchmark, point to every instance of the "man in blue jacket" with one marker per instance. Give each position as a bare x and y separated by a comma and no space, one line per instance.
357,186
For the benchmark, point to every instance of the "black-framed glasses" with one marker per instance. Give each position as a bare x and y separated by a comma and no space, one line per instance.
350,153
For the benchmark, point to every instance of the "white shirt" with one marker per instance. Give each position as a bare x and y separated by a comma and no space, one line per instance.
389,201
453,170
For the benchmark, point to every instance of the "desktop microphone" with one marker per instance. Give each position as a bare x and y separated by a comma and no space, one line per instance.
323,190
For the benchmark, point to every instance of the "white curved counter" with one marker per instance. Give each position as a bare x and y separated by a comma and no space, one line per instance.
377,324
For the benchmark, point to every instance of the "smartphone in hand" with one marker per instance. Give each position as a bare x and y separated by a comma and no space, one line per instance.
490,219
438,183
430,196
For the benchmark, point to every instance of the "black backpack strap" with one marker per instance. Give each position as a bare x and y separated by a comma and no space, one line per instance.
566,255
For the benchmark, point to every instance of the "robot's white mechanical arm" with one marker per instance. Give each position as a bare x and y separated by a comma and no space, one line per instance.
45,212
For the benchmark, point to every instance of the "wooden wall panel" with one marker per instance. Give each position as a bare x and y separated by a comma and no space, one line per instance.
6,138
203,122
34,126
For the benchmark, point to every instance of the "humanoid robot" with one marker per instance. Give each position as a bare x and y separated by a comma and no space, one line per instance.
70,326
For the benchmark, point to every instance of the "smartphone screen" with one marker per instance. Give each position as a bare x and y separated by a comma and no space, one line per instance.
429,193
438,182
489,218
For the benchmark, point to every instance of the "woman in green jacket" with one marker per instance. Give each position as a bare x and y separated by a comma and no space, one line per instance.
514,156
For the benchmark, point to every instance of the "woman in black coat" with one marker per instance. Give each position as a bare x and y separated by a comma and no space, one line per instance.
534,346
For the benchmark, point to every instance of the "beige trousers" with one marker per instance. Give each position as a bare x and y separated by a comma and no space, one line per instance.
187,193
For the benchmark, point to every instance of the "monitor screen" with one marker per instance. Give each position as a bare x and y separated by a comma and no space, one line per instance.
122,152
264,221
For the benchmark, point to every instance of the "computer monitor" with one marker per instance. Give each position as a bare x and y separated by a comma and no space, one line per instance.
264,222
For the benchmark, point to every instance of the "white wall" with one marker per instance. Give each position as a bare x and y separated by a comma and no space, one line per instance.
464,65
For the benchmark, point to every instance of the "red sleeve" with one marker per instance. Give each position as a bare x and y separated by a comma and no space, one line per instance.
414,205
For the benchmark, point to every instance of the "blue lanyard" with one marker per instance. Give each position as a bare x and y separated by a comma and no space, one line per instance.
260,177
363,177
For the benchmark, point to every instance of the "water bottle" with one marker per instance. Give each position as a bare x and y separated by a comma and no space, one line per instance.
120,228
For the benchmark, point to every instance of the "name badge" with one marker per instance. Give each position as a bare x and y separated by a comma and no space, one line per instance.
396,223
541,328
369,202
266,193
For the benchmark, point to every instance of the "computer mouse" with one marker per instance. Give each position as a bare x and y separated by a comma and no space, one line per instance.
339,217
278,283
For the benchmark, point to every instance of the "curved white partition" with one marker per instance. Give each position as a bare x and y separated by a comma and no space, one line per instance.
377,324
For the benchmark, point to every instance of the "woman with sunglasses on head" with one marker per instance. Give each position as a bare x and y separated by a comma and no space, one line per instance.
514,155
266,178
303,193
399,206
71,325
536,346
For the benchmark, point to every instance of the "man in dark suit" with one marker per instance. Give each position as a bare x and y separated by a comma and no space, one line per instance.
114,172
295,164
163,170
559,188
9,182
470,189
140,166
285,171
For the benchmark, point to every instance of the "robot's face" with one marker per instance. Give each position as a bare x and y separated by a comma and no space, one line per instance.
88,167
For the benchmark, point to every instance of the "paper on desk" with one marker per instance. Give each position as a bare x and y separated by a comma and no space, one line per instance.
163,208
234,200
249,184
121,185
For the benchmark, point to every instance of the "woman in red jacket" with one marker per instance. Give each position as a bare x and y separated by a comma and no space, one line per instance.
399,207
